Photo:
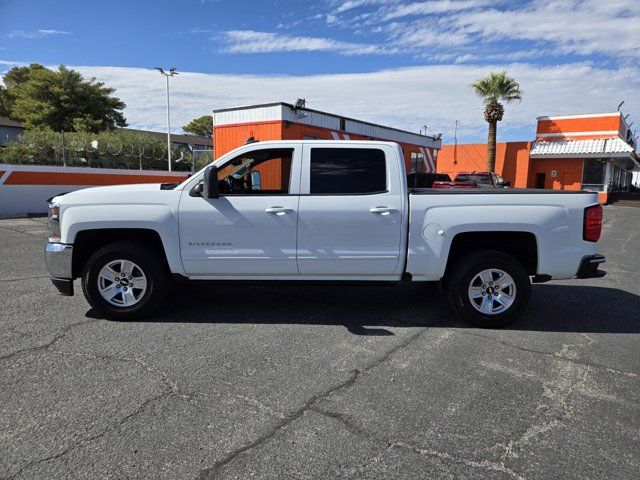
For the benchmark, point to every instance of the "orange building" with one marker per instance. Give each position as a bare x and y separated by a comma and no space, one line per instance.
593,152
232,127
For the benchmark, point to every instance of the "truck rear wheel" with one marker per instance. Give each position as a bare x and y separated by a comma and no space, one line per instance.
488,288
124,280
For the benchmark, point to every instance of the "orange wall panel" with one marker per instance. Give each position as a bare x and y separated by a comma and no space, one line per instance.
297,131
568,173
590,124
229,137
603,197
84,179
512,160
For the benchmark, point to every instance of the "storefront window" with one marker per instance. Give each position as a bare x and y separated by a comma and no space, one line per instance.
593,174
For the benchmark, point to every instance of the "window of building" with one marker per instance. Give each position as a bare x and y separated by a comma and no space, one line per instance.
348,171
259,172
417,162
593,174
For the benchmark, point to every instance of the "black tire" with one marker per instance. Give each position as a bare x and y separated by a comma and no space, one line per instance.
147,259
465,271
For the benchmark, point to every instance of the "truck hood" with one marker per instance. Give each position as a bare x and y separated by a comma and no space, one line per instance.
109,194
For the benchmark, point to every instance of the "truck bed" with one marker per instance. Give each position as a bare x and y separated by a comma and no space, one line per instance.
553,217
494,191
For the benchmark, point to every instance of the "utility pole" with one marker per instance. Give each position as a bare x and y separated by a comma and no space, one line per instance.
172,71
455,142
64,156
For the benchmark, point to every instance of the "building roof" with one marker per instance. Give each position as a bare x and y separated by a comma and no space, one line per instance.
7,122
337,124
581,115
599,148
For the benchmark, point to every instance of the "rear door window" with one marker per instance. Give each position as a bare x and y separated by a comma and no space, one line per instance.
347,171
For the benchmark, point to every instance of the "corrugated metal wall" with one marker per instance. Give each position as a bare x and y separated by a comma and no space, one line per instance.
229,137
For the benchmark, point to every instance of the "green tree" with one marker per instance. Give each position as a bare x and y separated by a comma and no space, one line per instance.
201,126
493,89
12,79
62,100
5,102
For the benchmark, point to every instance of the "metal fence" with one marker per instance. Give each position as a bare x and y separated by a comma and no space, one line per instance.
101,150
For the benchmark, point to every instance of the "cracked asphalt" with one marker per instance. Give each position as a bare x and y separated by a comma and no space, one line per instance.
320,382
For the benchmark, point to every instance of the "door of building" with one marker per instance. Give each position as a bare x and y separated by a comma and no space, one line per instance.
567,181
541,178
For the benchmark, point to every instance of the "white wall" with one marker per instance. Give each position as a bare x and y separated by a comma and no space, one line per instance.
31,198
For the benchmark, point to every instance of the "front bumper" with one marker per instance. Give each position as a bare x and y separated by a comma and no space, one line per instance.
589,267
58,258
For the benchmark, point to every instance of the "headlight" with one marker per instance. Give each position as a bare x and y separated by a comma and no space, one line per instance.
54,222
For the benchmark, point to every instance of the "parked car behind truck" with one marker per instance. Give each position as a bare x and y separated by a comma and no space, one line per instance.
319,211
483,179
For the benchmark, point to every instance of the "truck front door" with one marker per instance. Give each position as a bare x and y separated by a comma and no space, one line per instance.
350,221
251,229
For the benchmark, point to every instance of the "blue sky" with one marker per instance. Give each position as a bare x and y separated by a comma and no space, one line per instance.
400,62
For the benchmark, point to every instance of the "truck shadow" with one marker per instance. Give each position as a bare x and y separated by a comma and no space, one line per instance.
367,310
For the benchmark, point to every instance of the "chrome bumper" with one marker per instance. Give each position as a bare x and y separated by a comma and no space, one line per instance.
58,258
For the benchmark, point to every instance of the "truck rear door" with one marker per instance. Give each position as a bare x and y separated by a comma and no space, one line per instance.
351,211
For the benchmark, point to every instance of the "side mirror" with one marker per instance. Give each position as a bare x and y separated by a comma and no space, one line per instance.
210,185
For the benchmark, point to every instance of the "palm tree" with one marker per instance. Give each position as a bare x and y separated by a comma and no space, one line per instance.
493,89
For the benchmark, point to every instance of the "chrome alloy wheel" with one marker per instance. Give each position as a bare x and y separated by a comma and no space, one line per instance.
122,283
492,291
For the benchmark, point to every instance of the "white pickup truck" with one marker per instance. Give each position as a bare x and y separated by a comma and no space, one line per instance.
319,211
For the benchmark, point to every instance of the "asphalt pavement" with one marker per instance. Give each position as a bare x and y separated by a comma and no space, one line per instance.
308,382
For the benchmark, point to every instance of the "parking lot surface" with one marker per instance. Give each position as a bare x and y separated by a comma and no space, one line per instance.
320,382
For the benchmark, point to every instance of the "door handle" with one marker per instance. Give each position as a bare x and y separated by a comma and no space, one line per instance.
382,210
277,210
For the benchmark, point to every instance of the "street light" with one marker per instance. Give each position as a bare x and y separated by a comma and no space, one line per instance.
172,71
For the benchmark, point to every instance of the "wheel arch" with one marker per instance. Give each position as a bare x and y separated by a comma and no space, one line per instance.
523,246
88,241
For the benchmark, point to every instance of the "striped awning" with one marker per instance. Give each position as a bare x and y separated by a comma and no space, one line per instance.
599,148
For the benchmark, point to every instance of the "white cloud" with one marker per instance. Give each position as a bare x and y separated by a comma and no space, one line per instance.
251,41
44,32
405,98
583,28
344,6
475,27
432,6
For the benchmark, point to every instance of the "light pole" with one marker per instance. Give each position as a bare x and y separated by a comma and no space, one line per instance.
172,71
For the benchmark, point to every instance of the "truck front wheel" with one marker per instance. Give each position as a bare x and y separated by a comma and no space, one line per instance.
124,280
488,288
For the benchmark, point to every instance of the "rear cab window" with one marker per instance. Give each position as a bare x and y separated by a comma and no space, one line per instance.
347,171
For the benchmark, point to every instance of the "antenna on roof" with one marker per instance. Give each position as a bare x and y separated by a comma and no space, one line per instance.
621,103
